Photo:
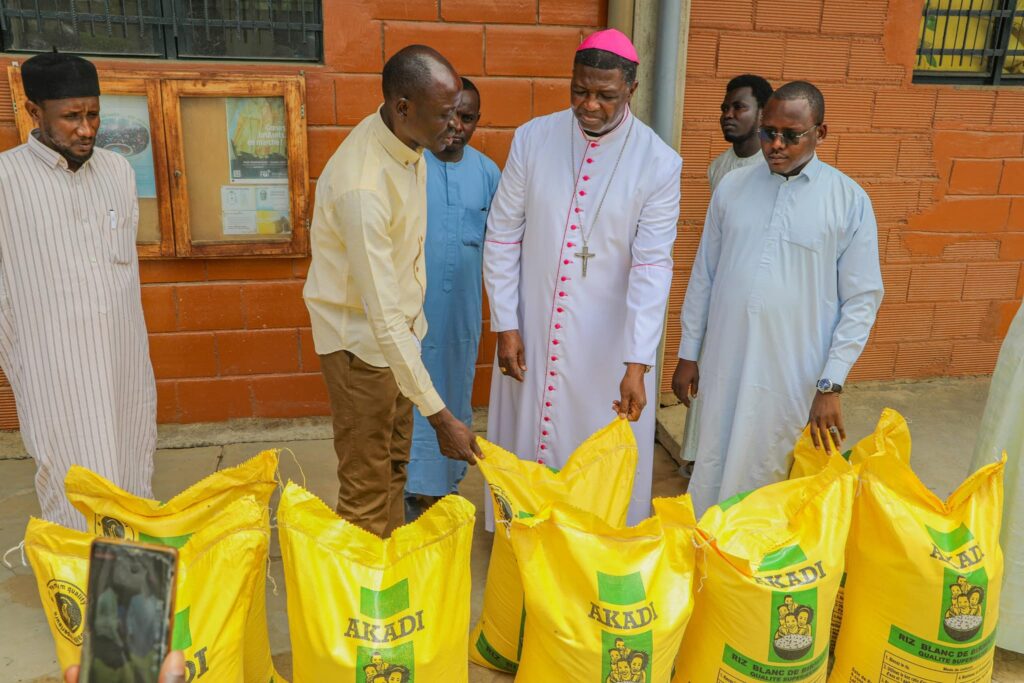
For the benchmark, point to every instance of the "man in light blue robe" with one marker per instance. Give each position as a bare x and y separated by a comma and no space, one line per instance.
782,298
460,184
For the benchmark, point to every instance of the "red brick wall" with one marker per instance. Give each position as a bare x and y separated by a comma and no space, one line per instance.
942,165
231,338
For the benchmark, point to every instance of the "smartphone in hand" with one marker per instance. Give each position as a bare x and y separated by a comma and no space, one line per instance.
130,612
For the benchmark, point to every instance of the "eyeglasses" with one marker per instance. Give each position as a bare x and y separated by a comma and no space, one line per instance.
788,136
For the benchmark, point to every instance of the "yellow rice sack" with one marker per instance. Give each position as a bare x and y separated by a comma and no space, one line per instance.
597,478
111,511
218,570
923,579
770,566
891,435
361,608
606,604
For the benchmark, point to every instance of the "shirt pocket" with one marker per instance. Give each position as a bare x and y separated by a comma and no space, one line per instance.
120,238
474,223
810,236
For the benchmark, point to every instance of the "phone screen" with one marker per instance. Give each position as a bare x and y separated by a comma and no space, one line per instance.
128,617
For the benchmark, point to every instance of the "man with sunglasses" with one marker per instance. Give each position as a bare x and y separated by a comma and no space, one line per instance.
780,303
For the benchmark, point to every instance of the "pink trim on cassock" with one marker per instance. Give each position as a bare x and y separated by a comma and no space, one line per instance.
554,303
505,243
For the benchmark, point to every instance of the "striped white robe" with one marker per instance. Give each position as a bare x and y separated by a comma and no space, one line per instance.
72,336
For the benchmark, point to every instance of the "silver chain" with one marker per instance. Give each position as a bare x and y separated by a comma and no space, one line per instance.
575,178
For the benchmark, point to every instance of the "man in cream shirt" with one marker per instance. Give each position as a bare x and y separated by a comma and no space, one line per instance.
366,286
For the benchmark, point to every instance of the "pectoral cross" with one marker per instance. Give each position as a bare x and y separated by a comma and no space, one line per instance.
586,255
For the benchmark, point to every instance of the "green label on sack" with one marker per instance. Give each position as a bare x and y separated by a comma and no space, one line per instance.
182,638
493,657
385,618
793,625
384,603
957,549
951,540
965,584
172,541
729,502
628,641
964,605
773,673
938,653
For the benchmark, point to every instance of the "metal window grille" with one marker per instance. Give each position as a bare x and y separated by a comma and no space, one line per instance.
287,30
971,41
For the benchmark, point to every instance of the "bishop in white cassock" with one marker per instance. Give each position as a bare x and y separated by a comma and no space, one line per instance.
780,303
578,264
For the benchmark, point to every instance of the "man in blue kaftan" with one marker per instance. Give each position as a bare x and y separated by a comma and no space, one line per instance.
460,184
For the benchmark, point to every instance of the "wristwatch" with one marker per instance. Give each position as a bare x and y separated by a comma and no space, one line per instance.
827,386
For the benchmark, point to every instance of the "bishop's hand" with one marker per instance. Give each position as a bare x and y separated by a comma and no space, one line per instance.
511,355
633,394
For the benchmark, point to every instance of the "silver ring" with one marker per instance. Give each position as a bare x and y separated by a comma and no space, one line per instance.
834,429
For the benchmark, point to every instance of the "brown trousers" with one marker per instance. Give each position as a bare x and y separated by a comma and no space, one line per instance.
372,438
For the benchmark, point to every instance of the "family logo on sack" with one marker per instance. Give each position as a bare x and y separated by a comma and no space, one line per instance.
964,589
68,609
111,527
385,618
502,508
792,612
622,607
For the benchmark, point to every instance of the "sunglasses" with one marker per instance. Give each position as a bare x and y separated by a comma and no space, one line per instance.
769,135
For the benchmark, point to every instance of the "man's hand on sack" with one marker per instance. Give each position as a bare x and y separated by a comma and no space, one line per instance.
826,422
455,439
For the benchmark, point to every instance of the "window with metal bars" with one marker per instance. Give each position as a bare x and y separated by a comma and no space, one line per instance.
277,30
971,41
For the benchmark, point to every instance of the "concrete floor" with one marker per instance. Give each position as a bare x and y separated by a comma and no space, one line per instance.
943,416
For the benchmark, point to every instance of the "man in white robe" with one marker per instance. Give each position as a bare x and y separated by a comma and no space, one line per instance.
745,97
578,264
1002,430
780,303
72,336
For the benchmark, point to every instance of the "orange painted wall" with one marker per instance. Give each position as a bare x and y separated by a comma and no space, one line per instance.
943,166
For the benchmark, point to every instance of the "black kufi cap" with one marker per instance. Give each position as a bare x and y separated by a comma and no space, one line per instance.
58,76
